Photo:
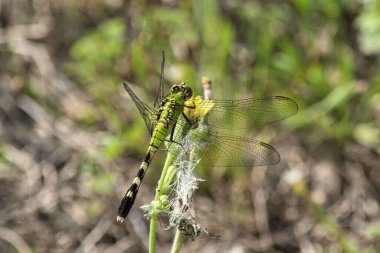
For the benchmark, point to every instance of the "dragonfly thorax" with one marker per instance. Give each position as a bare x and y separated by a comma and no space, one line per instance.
182,88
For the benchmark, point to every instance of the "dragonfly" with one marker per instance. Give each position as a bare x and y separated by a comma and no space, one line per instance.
178,117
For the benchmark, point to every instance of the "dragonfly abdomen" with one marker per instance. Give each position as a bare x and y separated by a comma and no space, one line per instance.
158,137
167,115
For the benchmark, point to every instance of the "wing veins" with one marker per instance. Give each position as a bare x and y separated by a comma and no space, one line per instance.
252,151
247,113
147,112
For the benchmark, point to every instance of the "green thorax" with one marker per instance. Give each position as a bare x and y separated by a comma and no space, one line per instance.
173,104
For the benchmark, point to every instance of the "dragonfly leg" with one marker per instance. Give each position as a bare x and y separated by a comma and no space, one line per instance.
192,124
172,131
180,144
191,107
171,137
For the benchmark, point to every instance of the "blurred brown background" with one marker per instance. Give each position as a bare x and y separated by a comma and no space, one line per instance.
71,140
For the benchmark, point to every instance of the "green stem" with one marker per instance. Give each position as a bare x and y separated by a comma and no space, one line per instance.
152,233
178,241
154,214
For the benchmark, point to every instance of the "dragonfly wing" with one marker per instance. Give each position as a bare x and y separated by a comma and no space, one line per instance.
160,93
216,149
246,113
148,113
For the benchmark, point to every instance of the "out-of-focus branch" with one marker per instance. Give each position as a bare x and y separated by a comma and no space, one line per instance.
15,240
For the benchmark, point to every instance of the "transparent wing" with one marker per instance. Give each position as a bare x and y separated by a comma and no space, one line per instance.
160,93
216,149
147,112
240,114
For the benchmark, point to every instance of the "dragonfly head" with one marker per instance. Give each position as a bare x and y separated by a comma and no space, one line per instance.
182,88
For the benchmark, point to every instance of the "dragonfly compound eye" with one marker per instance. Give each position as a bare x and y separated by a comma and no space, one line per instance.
174,89
188,92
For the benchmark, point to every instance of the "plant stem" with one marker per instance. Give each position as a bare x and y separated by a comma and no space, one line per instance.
154,214
152,233
178,241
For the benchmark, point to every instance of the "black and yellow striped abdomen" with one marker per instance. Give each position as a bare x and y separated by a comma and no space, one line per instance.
168,114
